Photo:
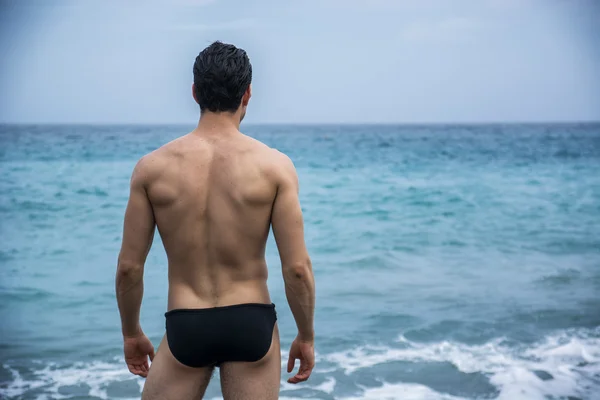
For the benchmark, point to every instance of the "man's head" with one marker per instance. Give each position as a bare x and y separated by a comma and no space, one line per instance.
222,77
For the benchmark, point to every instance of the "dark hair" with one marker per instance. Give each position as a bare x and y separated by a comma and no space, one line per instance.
222,73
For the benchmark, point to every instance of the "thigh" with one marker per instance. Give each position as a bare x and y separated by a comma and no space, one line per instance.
168,379
256,380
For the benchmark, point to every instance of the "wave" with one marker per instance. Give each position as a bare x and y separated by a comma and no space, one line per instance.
51,379
563,365
404,391
93,191
27,294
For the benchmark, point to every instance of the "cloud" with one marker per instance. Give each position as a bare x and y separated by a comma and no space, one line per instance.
449,29
239,24
192,2
162,3
510,4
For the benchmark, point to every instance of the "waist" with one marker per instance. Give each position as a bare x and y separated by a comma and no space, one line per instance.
232,307
183,295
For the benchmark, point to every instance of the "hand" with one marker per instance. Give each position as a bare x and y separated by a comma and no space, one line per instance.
137,349
305,352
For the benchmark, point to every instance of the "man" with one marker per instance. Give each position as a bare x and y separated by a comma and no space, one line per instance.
213,194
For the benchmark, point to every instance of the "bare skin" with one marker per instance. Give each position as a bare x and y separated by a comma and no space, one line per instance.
213,195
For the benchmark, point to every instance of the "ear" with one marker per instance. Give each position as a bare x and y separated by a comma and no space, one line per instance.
194,93
247,95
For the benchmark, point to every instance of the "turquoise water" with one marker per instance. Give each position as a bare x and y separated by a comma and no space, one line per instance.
452,262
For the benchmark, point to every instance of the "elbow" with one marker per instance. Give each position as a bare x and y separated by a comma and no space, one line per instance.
299,271
128,271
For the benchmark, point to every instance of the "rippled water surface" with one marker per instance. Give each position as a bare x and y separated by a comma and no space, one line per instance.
452,262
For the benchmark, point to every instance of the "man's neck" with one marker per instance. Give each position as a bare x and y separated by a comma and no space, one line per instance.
218,122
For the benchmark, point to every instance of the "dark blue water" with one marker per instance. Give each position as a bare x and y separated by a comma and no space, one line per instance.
451,261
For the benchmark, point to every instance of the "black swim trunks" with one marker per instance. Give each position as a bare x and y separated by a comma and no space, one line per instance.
211,336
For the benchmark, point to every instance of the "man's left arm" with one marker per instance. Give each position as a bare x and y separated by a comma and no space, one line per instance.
138,233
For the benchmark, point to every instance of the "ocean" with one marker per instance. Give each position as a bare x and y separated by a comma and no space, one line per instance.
451,261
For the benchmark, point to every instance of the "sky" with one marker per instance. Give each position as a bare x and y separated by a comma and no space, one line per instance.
314,61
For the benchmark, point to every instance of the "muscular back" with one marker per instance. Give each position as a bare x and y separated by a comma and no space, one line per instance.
212,198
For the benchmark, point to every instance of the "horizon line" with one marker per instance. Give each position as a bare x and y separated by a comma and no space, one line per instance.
406,123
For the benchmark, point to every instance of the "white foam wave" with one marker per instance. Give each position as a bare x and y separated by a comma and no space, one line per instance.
96,375
328,386
401,391
280,398
569,361
562,365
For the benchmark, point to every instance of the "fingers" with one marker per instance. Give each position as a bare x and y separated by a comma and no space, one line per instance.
303,373
138,369
299,377
291,363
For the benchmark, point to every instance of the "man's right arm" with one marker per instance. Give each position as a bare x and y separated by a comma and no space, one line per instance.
288,229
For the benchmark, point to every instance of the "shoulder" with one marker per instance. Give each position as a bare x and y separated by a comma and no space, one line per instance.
150,166
274,164
281,167
271,159
283,162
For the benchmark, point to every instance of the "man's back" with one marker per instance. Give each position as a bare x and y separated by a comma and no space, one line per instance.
212,194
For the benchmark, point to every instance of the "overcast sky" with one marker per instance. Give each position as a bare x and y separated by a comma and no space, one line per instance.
333,61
